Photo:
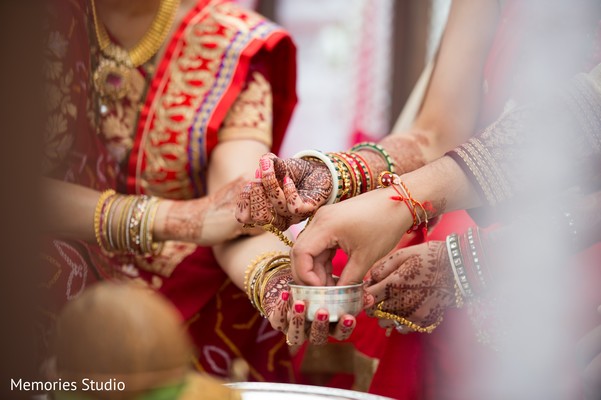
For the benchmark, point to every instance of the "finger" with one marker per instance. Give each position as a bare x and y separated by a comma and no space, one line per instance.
261,211
355,269
368,299
294,202
344,327
320,328
243,206
378,291
296,327
273,191
278,315
387,265
311,270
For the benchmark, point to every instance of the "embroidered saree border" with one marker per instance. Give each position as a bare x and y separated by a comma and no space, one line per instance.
196,75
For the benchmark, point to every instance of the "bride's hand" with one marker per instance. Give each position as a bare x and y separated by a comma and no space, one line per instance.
415,283
285,192
365,227
291,317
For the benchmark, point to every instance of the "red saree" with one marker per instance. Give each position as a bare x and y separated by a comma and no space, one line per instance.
210,61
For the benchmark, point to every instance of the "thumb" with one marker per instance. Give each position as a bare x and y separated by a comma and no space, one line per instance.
354,270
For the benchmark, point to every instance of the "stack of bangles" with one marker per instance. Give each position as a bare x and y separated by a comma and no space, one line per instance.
124,224
467,258
351,175
259,272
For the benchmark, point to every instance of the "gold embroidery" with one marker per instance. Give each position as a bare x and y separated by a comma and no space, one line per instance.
60,84
186,98
119,119
477,174
250,117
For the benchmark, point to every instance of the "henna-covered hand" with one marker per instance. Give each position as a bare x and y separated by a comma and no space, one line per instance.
292,190
290,317
415,283
205,221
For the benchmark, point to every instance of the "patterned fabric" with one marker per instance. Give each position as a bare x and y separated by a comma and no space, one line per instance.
221,61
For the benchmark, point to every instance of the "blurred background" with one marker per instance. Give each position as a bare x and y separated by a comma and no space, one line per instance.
358,61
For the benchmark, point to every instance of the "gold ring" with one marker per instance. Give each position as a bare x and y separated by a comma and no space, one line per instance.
270,223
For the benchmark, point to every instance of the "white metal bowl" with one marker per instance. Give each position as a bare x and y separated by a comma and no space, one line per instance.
337,300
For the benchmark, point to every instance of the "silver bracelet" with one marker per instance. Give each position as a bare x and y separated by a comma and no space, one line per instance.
457,265
475,258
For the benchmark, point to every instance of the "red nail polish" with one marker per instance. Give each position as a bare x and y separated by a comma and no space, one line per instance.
264,165
257,174
348,323
287,180
322,316
285,296
299,308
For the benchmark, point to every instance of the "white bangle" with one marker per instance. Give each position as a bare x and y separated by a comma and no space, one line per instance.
328,163
453,247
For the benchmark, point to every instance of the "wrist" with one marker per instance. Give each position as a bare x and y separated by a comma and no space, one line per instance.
160,231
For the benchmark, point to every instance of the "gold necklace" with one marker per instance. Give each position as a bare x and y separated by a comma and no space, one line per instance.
112,75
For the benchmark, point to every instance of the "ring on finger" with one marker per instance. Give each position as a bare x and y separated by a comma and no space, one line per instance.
400,328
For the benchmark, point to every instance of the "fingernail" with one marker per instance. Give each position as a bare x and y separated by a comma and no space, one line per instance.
348,323
257,174
299,308
322,316
287,180
285,296
264,164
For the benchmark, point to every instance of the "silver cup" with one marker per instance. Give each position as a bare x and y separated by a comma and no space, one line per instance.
337,300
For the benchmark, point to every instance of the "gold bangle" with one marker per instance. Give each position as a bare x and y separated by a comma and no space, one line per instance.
97,214
261,282
260,275
138,213
121,236
349,180
253,265
106,226
267,277
379,313
356,175
252,271
111,218
150,247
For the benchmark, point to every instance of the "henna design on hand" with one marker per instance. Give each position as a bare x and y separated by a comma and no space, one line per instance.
261,211
311,185
243,204
185,219
275,308
296,330
292,190
418,287
320,329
